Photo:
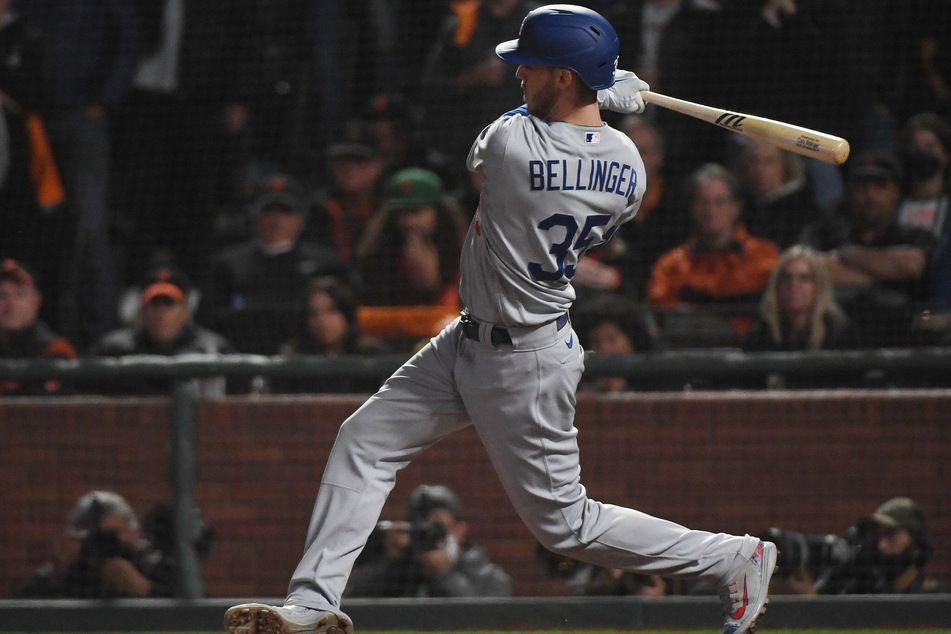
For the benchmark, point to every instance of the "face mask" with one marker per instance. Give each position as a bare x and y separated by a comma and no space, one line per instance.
922,166
452,547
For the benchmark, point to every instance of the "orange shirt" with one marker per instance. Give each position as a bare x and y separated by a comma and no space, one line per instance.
687,273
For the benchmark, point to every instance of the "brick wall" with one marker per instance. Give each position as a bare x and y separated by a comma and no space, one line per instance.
735,462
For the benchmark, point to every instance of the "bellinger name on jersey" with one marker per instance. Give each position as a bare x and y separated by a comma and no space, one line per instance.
577,174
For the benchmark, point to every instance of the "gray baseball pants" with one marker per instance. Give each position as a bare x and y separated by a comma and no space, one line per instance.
521,400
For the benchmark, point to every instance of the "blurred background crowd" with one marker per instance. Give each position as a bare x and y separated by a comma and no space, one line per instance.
288,176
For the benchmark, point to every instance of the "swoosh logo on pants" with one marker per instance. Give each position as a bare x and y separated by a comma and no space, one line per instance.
571,340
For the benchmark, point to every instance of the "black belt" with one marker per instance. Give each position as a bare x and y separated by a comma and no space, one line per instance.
499,335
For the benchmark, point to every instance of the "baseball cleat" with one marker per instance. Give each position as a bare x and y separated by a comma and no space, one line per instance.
258,618
745,594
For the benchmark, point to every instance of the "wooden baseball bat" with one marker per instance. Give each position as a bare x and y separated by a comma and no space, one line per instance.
825,147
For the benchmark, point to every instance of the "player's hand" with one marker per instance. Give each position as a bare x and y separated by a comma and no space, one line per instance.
625,95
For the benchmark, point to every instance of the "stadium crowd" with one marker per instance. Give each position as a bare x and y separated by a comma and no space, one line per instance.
186,176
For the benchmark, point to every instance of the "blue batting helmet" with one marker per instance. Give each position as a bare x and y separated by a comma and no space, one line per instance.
566,36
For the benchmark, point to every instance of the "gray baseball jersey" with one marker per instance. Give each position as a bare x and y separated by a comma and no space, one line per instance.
552,191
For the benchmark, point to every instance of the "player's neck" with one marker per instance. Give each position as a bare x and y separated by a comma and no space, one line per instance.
588,115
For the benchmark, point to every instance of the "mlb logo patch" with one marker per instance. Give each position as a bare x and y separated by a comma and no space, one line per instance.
592,137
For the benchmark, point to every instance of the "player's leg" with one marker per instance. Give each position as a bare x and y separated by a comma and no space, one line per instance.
417,406
523,409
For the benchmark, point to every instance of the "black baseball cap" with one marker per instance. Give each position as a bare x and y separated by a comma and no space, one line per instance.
356,139
281,191
875,165
166,281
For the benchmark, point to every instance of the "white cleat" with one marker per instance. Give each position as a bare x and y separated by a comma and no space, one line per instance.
258,618
745,594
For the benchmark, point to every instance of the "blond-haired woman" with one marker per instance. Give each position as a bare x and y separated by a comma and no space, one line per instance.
798,310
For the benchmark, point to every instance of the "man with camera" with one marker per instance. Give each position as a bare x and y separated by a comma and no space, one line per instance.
904,547
428,555
101,555
884,552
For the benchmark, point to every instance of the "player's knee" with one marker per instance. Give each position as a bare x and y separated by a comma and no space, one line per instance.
561,541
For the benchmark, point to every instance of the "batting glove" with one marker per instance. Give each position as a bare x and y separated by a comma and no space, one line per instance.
625,95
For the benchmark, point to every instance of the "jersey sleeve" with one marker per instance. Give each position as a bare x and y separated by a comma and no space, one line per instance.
490,144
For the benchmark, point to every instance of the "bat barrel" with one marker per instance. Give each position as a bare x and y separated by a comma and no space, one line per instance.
812,143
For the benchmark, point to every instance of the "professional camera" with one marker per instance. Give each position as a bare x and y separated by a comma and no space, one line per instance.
837,564
99,543
427,536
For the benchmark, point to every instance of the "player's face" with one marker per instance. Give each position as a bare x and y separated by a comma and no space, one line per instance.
19,305
539,88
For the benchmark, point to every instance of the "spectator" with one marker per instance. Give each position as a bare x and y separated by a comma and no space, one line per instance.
660,223
624,264
329,327
781,200
614,324
781,34
281,53
464,84
158,527
255,288
720,262
798,310
692,51
409,254
643,23
91,51
923,72
903,549
926,162
357,167
182,134
941,269
101,555
429,555
884,552
166,328
352,59
22,334
31,189
396,122
879,268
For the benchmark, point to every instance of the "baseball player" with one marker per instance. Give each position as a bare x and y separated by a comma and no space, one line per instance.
558,181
